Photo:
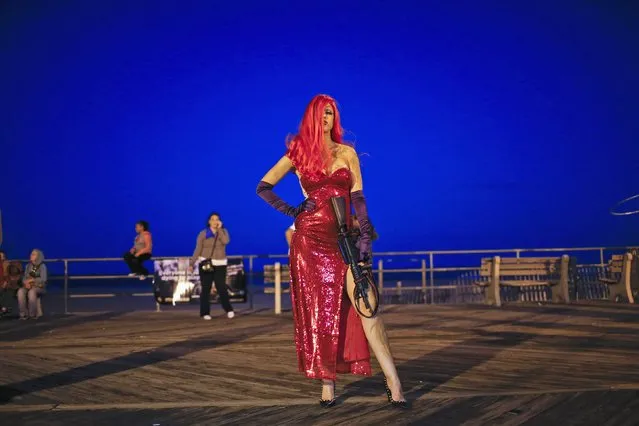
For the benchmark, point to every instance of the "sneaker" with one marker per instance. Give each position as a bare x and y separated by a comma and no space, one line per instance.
206,317
230,314
132,274
142,277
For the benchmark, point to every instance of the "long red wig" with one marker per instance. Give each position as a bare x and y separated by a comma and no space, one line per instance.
307,150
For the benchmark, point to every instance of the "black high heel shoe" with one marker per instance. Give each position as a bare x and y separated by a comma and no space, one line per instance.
326,403
394,404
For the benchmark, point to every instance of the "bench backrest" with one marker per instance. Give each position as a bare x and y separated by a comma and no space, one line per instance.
523,266
269,273
615,266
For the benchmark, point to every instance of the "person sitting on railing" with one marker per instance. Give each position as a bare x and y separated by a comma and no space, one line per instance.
34,282
141,251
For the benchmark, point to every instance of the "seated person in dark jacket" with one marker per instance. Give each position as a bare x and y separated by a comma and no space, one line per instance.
10,275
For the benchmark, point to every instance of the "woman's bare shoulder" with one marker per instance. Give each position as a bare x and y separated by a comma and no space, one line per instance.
349,154
348,149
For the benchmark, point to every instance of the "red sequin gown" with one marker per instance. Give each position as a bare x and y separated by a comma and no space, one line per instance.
328,332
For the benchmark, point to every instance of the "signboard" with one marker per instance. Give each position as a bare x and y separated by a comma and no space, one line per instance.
174,283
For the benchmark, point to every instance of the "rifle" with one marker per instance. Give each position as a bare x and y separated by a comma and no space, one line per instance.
363,274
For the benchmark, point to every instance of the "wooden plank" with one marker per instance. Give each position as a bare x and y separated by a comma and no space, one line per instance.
269,273
585,408
527,271
524,263
616,268
271,268
271,279
459,365
526,283
520,267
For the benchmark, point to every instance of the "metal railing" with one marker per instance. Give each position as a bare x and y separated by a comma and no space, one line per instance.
426,270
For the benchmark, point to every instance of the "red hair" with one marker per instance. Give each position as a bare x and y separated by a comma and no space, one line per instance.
307,150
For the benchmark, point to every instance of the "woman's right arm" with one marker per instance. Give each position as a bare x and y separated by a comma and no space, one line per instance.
198,248
271,178
278,171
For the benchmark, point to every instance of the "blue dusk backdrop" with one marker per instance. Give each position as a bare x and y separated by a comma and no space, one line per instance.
481,124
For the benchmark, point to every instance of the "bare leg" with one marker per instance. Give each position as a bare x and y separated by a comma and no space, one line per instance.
377,339
328,390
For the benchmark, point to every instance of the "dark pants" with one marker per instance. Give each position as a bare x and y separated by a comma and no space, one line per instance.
6,296
217,275
136,263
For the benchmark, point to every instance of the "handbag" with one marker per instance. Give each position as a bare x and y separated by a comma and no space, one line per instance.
206,265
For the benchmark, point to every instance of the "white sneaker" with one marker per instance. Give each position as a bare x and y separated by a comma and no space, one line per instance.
206,317
132,274
230,314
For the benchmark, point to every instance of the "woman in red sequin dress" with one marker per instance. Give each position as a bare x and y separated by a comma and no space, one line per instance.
330,337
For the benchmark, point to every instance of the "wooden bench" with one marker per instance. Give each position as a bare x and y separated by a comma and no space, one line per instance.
525,272
270,274
619,278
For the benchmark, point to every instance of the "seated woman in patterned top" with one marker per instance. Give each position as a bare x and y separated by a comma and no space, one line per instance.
34,282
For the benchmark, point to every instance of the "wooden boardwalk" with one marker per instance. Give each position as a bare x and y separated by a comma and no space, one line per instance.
461,365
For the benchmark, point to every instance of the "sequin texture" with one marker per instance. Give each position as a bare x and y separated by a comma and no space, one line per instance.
329,337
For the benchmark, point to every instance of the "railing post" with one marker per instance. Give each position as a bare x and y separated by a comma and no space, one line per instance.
431,260
424,279
278,288
601,257
517,253
250,280
66,287
380,277
423,275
